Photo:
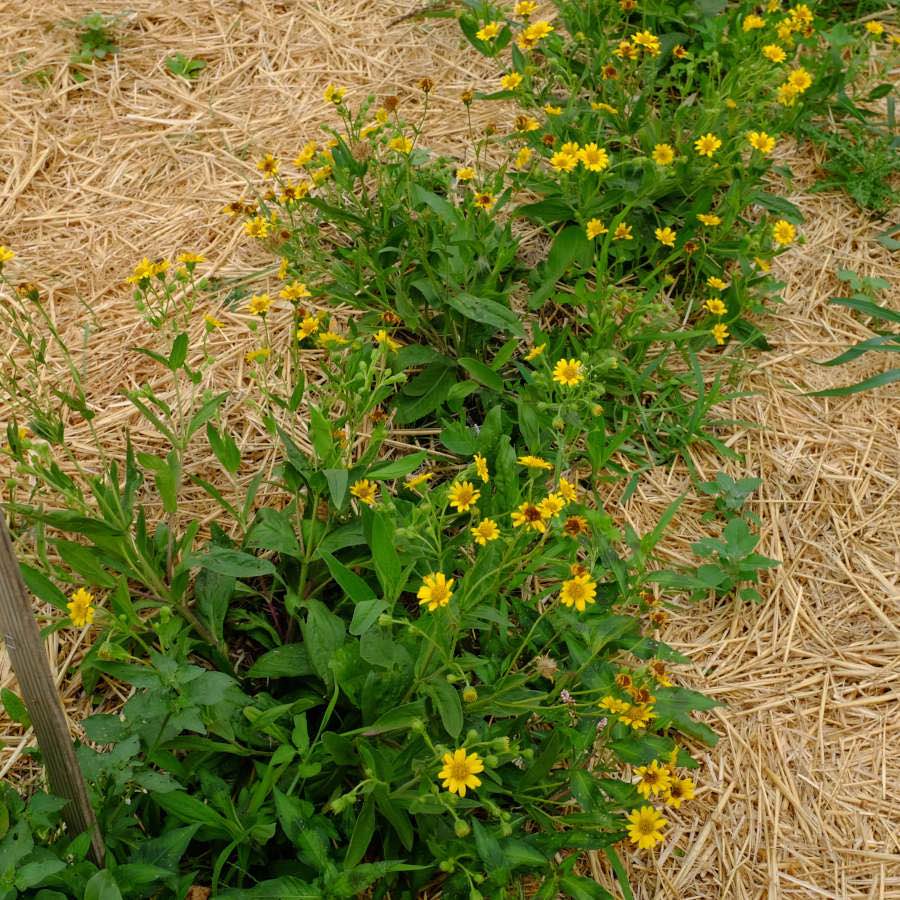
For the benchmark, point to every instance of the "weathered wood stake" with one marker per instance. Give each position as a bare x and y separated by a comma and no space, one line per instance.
20,632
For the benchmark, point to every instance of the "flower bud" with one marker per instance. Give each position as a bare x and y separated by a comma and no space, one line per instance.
418,726
491,761
501,744
462,829
528,753
447,865
506,829
384,620
471,735
469,694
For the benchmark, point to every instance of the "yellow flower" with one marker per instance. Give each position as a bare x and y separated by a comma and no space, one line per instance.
647,40
365,491
284,268
81,609
593,158
401,144
753,22
613,704
511,81
261,354
460,769
568,490
666,236
786,94
308,325
537,31
142,271
334,94
604,107
268,165
716,283
763,264
663,154
382,337
653,779
257,227
799,80
212,322
484,200
330,339
295,291
486,530
563,162
481,468
552,110
190,259
5,255
784,233
875,28
535,352
774,53
489,31
416,481
679,790
761,141
645,827
638,716
525,8
466,173
709,219
293,192
306,155
568,372
551,505
535,462
529,516
527,123
463,495
715,306
435,590
259,304
579,592
707,145
623,232
570,147
595,228
523,157
720,333
626,50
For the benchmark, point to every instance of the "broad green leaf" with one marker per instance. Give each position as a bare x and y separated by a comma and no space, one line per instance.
449,707
102,886
273,530
286,661
233,562
42,587
486,312
354,586
482,373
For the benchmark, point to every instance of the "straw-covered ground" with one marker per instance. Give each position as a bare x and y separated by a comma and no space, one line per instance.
799,798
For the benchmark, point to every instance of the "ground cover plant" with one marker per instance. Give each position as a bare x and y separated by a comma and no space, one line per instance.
444,666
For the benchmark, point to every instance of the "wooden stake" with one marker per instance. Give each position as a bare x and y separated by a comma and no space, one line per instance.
20,631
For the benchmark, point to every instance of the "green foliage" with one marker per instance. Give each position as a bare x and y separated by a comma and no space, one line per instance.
185,66
96,42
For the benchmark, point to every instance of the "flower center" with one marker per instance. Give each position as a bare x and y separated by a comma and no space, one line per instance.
459,771
646,826
532,514
439,593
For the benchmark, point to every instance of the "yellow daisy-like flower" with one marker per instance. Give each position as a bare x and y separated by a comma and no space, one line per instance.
481,468
648,41
623,232
761,141
460,769
679,790
800,80
652,779
716,283
645,827
535,32
613,704
875,28
486,530
365,491
259,304
568,372
295,291
637,716
523,157
525,8
261,354
707,145
436,590
663,154
334,94
212,322
308,326
784,233
529,516
6,255
551,505
753,22
709,219
416,481
535,462
463,495
595,228
763,264
305,156
81,608
268,165
401,144
294,192
329,339
385,340
563,162
593,158
774,53
666,236
720,333
484,200
568,490
489,31
535,352
552,110
786,95
466,173
190,259
527,123
604,107
511,81
257,227
579,592
715,306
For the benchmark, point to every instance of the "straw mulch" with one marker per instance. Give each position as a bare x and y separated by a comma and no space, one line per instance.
798,799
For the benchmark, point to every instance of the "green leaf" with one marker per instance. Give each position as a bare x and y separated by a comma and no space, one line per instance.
449,706
397,468
353,586
285,888
83,561
398,719
32,874
43,588
486,312
482,374
190,809
286,661
867,307
338,481
15,708
488,846
778,205
385,558
273,530
867,384
363,830
323,634
424,394
224,447
102,886
570,245
233,562
366,615
547,211
444,209
320,433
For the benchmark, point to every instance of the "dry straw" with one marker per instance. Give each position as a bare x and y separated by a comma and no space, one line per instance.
798,800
